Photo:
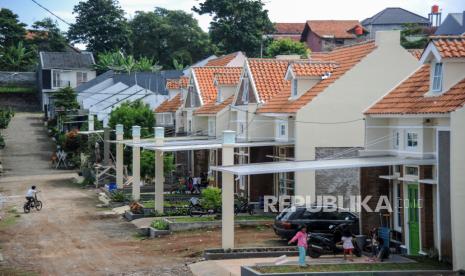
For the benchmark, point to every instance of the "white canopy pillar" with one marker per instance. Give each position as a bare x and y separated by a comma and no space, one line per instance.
227,193
90,121
119,156
159,170
136,163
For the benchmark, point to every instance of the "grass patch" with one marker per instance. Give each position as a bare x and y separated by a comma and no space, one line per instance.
151,204
15,272
194,219
10,218
17,89
422,263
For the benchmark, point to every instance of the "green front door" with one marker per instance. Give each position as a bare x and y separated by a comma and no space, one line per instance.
413,224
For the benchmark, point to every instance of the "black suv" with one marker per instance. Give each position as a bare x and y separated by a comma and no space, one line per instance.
317,220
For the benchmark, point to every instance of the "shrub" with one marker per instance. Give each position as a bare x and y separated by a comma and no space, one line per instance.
211,198
117,196
160,224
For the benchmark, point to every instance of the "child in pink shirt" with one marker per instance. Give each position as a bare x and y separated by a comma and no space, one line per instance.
301,238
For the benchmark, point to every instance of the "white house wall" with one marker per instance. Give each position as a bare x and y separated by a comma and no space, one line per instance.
345,100
457,188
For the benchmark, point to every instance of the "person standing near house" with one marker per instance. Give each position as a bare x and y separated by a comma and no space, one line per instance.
301,238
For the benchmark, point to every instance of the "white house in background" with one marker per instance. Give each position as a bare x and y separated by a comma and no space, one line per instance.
424,117
62,69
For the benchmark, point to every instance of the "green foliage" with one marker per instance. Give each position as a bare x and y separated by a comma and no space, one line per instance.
237,25
12,31
101,25
5,118
48,36
211,198
65,98
130,114
177,65
119,62
17,89
166,35
117,196
413,36
160,224
287,47
2,142
147,164
17,58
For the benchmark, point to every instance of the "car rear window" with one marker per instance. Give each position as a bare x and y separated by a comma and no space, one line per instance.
290,213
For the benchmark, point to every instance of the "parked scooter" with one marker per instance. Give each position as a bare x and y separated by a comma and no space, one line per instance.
326,243
196,209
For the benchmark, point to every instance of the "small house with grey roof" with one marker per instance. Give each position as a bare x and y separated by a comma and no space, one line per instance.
62,69
454,24
393,19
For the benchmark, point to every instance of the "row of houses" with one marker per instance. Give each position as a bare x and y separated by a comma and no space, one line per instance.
373,100
325,35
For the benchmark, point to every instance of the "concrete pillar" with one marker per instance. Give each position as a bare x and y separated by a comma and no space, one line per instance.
119,156
136,163
90,121
227,193
159,170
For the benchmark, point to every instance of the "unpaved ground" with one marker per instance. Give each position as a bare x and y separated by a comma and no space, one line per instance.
69,237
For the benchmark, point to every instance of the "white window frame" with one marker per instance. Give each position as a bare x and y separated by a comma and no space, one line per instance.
245,91
436,77
56,78
219,96
241,128
294,88
81,77
407,138
412,175
168,119
160,119
189,125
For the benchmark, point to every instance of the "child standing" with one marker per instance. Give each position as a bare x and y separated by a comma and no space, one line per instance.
347,244
301,238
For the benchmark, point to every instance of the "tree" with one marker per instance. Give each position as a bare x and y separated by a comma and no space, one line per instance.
101,25
11,30
286,47
237,25
65,98
17,58
48,36
165,35
133,113
119,62
414,36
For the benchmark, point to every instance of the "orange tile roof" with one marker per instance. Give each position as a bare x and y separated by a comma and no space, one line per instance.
205,80
289,28
347,57
182,82
312,69
170,105
214,107
336,28
416,53
268,75
409,97
223,60
450,46
230,78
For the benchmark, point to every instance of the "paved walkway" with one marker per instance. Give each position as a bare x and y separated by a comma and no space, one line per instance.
28,147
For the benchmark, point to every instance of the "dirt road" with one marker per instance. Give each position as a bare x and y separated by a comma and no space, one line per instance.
68,236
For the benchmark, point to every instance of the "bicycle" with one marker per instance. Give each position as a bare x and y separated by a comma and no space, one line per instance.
37,204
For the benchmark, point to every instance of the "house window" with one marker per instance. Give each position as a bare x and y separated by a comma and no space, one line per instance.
396,139
294,87
398,206
282,129
219,97
168,119
160,119
245,92
56,78
189,126
241,128
81,77
339,42
437,77
412,140
412,171
191,96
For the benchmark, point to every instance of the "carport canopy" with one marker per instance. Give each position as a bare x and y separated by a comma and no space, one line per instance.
295,166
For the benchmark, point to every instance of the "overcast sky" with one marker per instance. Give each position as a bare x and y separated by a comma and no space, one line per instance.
279,10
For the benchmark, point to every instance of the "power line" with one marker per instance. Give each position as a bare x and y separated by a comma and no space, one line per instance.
52,13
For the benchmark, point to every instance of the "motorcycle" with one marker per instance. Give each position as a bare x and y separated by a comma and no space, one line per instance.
196,209
243,206
326,243
37,204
